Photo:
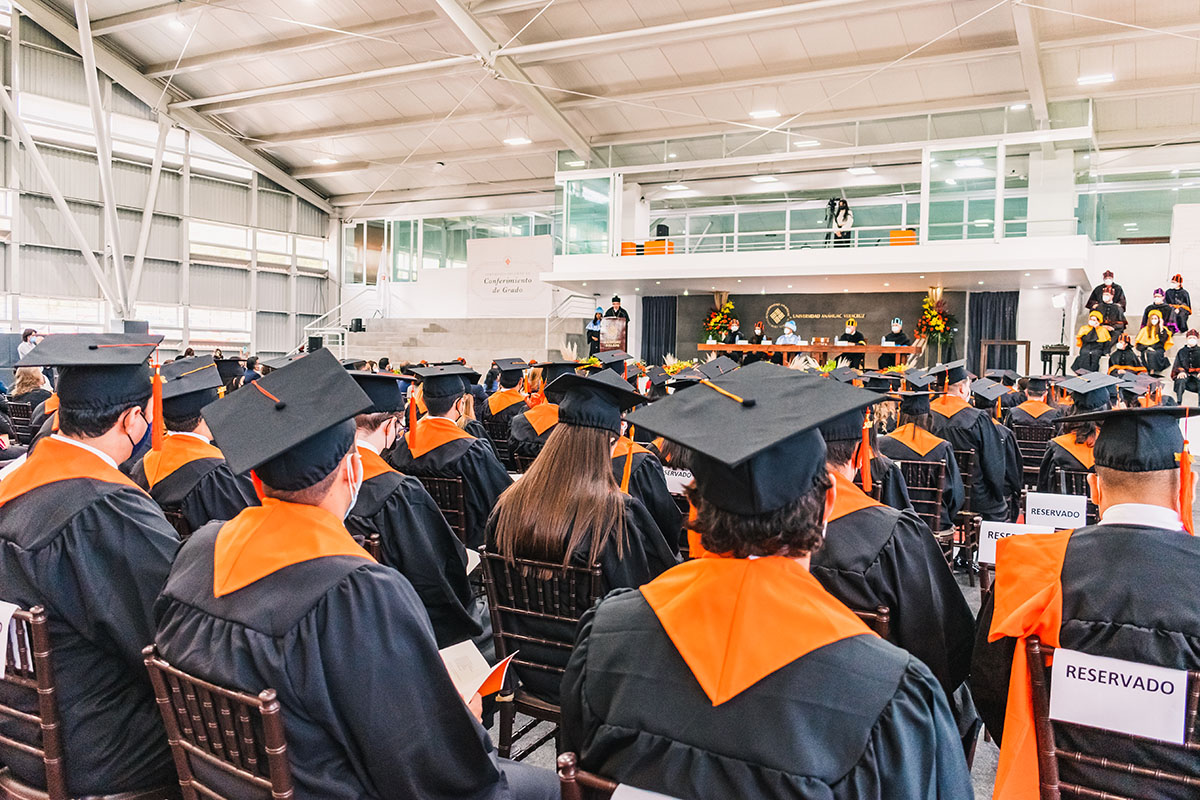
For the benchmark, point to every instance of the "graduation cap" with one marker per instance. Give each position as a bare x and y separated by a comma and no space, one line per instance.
915,404
385,391
721,365
594,401
446,380
658,376
230,368
1038,384
918,380
845,374
292,427
511,370
988,392
1139,439
1089,391
96,370
552,370
1008,377
274,363
613,359
882,382
950,374
753,434
189,384
687,377
354,363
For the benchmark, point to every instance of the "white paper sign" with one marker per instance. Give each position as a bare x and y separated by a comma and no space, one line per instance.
1116,695
6,612
504,276
473,559
1059,510
677,479
626,792
992,532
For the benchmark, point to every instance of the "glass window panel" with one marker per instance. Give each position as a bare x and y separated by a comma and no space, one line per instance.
873,224
373,258
1015,211
352,257
587,210
404,255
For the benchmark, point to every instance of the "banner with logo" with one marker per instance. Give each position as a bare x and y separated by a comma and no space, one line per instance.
504,276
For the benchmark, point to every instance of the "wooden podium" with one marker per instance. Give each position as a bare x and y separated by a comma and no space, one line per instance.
612,333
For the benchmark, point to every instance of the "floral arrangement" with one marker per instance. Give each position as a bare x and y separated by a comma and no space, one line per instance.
676,367
718,322
936,323
590,362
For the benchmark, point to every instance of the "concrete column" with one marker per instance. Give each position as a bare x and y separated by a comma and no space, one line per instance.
635,215
1051,194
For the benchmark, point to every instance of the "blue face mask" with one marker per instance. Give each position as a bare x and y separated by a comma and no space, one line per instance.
142,446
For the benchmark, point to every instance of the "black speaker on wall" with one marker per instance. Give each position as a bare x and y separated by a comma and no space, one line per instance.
661,231
315,343
356,325
136,326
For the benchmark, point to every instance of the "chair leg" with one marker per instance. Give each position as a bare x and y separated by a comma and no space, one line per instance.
508,716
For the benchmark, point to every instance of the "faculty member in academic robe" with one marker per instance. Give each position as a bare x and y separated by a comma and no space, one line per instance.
282,597
738,675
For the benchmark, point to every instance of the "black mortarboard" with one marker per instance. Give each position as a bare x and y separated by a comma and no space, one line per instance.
445,381
950,374
1006,376
385,391
883,382
293,426
230,368
849,426
689,376
915,404
511,364
1037,384
552,370
1090,390
354,363
1139,439
189,385
845,374
918,380
754,444
96,370
988,389
657,375
594,401
721,365
613,359
275,363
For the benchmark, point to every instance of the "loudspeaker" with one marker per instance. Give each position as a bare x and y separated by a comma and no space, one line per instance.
662,231
356,325
315,343
136,326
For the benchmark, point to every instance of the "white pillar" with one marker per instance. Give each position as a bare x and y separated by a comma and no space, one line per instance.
1051,208
635,215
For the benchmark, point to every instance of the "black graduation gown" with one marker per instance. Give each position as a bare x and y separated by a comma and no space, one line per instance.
1022,415
368,706
952,485
878,556
1145,611
1123,358
855,360
1014,472
1096,298
523,438
900,340
416,540
649,485
473,460
858,718
1154,356
1162,308
204,490
972,429
1055,458
1186,371
893,490
505,414
645,555
1179,316
1091,350
95,554
1114,317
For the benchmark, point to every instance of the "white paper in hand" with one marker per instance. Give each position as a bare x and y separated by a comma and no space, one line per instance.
469,670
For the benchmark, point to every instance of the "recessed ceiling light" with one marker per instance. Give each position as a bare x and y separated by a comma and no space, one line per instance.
789,286
805,143
517,141
921,276
1175,172
764,178
764,113
763,290
676,187
1131,224
951,182
583,284
1087,157
671,155
968,162
1027,274
637,288
658,283
739,280
575,164
1035,287
981,283
324,162
885,283
1019,106
713,288
845,290
860,170
685,292
1092,80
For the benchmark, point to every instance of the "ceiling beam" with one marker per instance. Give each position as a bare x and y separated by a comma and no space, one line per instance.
150,92
456,191
1031,65
399,125
486,7
476,154
294,44
519,83
130,19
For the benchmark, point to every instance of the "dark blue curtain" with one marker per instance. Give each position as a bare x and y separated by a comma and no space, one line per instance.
992,315
658,328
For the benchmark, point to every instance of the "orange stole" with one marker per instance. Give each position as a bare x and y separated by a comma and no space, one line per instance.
432,433
919,440
627,447
1083,453
176,452
53,461
1035,408
1028,602
373,463
848,498
504,399
737,620
542,417
948,406
262,540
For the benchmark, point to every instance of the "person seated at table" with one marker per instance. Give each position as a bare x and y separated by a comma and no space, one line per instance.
738,675
1121,589
913,441
851,336
1093,341
1152,342
1035,410
1072,450
897,338
789,334
757,338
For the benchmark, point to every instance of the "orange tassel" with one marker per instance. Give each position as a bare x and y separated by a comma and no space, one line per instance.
628,463
412,418
864,456
258,485
1185,488
997,408
158,426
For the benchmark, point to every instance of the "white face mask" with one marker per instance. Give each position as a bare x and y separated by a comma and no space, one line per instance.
850,330
1176,285
1120,345
733,328
354,477
897,328
1193,342
758,331
1108,281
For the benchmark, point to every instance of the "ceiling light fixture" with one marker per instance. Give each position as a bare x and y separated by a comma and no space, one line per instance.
981,283
1018,106
324,161
676,187
575,164
805,143
968,162
951,182
671,155
861,170
1092,80
764,113
764,178
685,292
518,141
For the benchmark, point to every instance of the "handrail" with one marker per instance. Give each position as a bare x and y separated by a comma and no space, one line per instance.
556,312
321,321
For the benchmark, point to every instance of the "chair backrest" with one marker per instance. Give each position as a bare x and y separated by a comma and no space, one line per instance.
448,494
879,620
28,666
521,589
235,737
373,547
1148,775
1032,441
498,433
924,479
178,522
966,468
21,415
1074,482
575,784
523,463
